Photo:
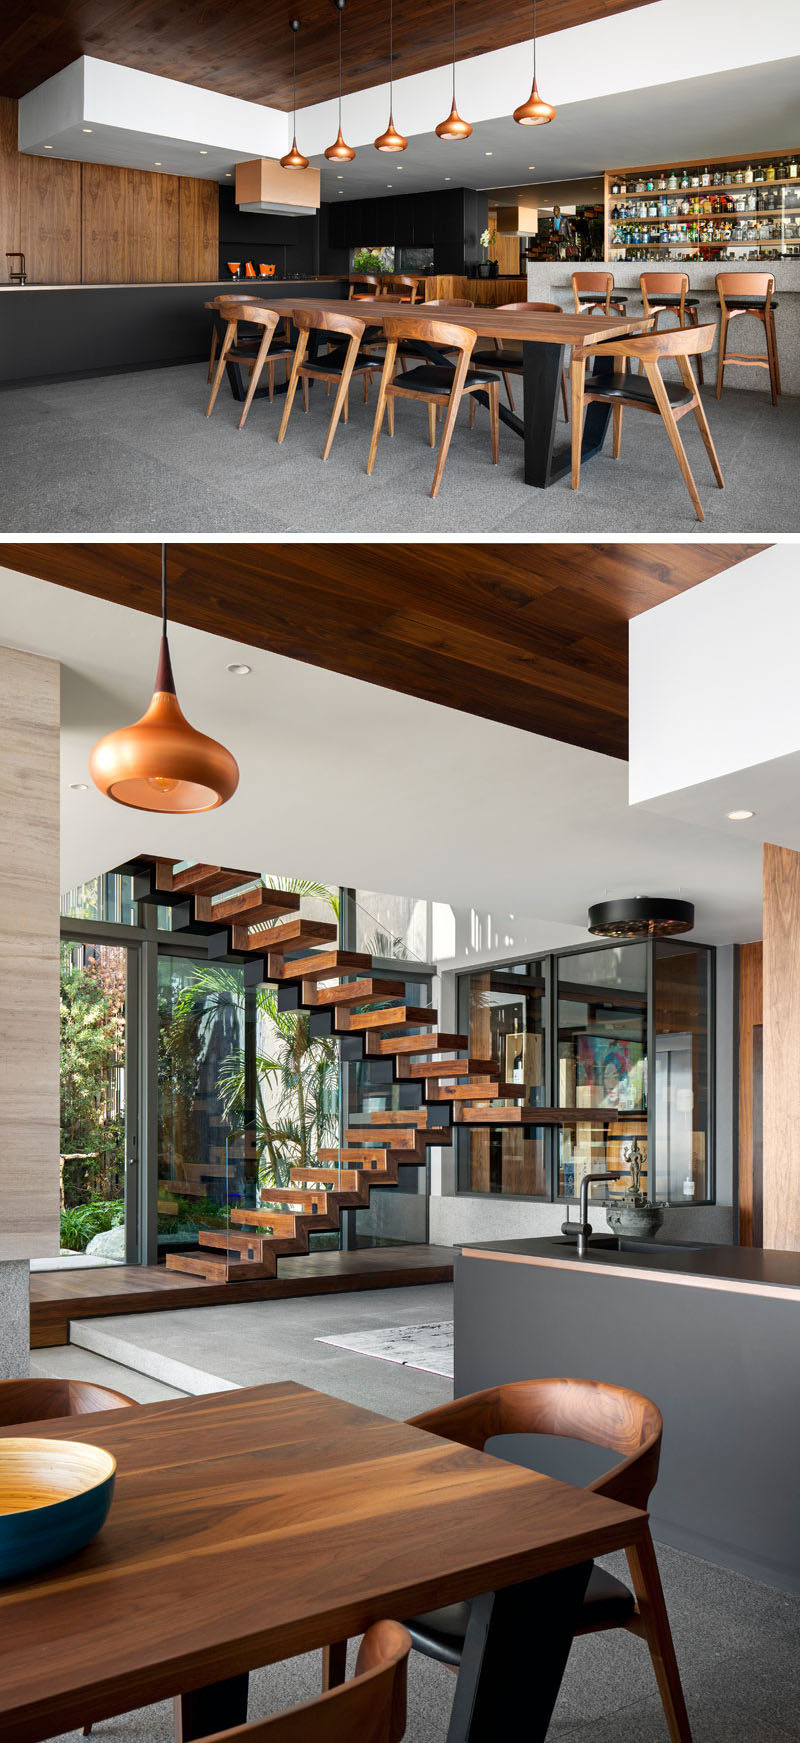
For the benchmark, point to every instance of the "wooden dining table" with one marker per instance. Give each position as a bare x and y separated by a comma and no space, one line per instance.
544,340
252,1525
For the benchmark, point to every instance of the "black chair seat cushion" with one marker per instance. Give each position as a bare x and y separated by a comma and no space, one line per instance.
332,362
438,377
440,1633
656,299
635,387
598,297
748,303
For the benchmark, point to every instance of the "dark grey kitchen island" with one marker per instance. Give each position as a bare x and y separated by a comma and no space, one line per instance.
712,1334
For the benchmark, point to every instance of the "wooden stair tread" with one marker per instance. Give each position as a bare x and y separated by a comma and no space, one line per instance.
346,1179
348,1155
400,1117
321,966
284,936
400,1137
353,992
313,1201
205,880
487,1091
422,1068
221,1270
393,1017
435,1043
247,907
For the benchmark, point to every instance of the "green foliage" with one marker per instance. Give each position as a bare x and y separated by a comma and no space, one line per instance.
366,260
81,1222
92,1051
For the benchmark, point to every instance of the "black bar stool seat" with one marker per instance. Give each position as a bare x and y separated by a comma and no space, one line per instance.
439,377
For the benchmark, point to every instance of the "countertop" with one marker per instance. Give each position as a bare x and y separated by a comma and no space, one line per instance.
237,284
748,1269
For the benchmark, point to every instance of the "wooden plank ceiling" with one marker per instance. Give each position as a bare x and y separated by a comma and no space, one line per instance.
244,49
533,635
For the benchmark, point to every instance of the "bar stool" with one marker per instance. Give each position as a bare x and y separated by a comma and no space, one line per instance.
595,290
672,400
248,352
407,286
509,361
667,291
601,1415
339,364
370,286
439,384
748,293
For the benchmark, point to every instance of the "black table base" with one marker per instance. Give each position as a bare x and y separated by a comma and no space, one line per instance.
515,1653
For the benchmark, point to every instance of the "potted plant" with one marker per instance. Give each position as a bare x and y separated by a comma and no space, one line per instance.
487,239
633,1215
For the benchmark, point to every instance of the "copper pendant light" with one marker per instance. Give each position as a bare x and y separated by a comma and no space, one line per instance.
339,152
294,159
391,140
454,127
161,763
536,111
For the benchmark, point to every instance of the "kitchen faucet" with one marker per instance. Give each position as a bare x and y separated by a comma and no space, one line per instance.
21,276
583,1227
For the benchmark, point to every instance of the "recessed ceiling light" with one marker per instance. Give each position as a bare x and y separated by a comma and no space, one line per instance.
87,130
239,671
48,148
79,786
390,184
448,178
530,167
739,816
488,154
340,178
229,175
203,153
157,164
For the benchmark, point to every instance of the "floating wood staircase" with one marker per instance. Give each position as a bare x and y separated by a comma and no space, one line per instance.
346,999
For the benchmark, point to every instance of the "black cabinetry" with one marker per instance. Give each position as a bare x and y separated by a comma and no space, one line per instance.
449,221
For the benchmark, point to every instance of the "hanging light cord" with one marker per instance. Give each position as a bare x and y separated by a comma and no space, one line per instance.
340,72
163,589
454,53
391,77
534,41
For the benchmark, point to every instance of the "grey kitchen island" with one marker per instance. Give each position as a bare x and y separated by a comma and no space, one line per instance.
712,1334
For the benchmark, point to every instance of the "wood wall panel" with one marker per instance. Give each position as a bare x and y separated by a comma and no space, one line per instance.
9,181
199,231
152,232
781,1148
50,219
751,1004
533,635
103,223
29,955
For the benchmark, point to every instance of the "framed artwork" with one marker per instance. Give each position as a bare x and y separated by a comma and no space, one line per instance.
610,1074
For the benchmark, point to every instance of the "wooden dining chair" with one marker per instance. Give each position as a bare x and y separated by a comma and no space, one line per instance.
214,305
411,348
748,293
371,1708
509,362
338,365
595,290
668,293
35,1400
407,286
601,1415
649,393
253,354
439,384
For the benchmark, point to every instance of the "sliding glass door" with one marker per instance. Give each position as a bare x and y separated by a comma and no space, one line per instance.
99,1100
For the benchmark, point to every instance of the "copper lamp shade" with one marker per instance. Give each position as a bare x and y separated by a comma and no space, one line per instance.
294,159
161,763
339,152
391,140
536,111
454,127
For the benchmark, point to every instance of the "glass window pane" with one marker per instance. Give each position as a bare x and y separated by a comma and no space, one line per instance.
200,1094
94,1103
683,1065
502,1010
602,1060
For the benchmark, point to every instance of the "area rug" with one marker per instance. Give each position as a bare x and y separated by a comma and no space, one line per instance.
429,1347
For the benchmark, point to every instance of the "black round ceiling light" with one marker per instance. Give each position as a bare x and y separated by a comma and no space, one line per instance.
641,917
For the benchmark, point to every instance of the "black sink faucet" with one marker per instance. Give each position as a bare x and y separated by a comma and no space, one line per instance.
20,277
583,1228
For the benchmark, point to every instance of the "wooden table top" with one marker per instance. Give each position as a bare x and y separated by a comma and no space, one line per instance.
249,1526
561,329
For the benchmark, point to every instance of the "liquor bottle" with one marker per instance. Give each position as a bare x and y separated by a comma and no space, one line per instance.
673,180
759,173
793,165
770,172
705,179
748,174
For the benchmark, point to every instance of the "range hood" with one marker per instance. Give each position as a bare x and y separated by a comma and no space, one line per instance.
518,220
264,186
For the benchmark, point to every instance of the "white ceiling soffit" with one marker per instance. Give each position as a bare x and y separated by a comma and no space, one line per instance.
343,781
715,725
97,112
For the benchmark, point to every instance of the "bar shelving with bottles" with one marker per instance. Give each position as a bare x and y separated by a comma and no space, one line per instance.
732,209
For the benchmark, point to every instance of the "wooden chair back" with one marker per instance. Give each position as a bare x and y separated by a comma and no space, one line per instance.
217,302
371,1708
325,321
745,284
366,283
244,309
461,339
654,285
401,281
530,308
600,283
672,342
588,1410
45,1400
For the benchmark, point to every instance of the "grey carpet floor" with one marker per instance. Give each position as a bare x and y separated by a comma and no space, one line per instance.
134,454
736,1640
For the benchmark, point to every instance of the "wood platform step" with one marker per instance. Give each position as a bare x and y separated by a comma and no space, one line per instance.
286,935
200,880
289,1197
222,1270
423,1068
431,1043
368,1160
400,1117
349,992
247,907
484,1091
248,1246
392,1017
340,1179
399,1137
323,965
